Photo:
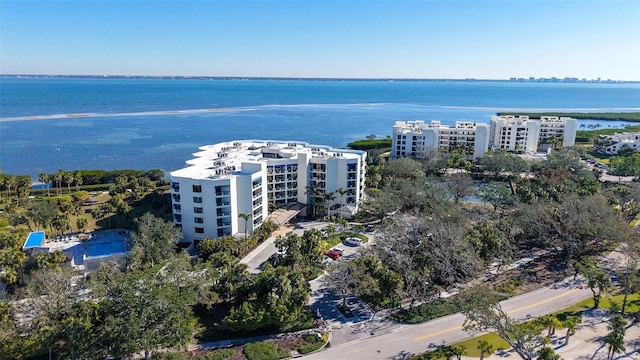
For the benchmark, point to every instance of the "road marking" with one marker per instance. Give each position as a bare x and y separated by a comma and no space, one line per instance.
438,333
508,313
541,302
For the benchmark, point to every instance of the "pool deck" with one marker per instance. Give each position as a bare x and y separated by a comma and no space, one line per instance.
77,246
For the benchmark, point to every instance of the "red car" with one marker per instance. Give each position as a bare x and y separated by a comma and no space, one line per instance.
333,254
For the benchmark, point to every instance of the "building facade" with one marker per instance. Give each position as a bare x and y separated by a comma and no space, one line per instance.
611,144
225,182
521,134
417,139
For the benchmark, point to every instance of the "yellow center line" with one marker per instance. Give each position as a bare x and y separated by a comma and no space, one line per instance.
508,313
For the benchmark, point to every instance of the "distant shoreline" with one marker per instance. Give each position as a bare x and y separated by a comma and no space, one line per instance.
271,78
608,116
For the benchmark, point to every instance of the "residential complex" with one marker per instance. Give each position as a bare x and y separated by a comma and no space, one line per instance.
415,138
226,182
511,133
611,144
521,134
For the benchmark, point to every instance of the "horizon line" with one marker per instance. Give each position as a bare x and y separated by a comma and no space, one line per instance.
566,79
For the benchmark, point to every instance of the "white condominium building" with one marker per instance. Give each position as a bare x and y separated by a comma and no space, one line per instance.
618,141
415,138
224,182
521,134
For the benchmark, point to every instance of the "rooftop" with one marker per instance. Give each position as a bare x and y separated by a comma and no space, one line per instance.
226,159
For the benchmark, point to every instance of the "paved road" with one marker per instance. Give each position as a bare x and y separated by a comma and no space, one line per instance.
402,342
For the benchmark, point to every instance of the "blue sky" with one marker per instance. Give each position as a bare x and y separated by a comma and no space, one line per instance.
353,39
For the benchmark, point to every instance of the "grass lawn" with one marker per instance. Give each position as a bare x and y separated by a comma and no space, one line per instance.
601,158
633,303
471,345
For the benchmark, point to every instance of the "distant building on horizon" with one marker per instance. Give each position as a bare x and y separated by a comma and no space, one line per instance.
232,178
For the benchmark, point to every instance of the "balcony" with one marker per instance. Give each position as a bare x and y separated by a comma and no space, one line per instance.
223,203
175,187
176,197
177,207
224,224
223,193
223,213
177,217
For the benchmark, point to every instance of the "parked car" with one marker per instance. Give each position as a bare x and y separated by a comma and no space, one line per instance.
333,254
339,250
352,241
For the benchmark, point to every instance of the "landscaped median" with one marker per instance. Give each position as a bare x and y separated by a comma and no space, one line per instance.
281,347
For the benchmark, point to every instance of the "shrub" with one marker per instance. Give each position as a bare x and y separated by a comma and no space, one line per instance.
425,312
314,343
220,354
4,222
261,351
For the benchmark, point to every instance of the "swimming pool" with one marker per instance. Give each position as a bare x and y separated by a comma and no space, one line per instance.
106,243
107,248
35,239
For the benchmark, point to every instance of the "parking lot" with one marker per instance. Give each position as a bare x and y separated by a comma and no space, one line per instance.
262,253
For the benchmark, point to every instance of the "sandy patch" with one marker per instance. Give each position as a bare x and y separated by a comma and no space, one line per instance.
586,343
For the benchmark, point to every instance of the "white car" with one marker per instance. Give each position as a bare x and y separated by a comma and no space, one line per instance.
352,241
339,250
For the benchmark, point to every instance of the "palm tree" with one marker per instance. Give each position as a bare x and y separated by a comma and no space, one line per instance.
615,338
44,179
9,182
342,193
556,142
245,217
547,353
57,177
551,323
485,348
77,178
329,196
68,178
312,191
571,323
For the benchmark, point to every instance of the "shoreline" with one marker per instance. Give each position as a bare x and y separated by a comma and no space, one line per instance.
600,116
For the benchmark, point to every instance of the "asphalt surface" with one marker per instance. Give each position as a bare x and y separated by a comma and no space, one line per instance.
258,256
401,342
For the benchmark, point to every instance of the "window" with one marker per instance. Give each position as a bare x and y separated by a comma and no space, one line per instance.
197,188
198,220
197,200
199,230
197,210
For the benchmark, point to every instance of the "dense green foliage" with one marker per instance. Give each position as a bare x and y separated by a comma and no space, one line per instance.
263,351
370,144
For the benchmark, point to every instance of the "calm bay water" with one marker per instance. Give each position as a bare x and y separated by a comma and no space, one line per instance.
51,124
